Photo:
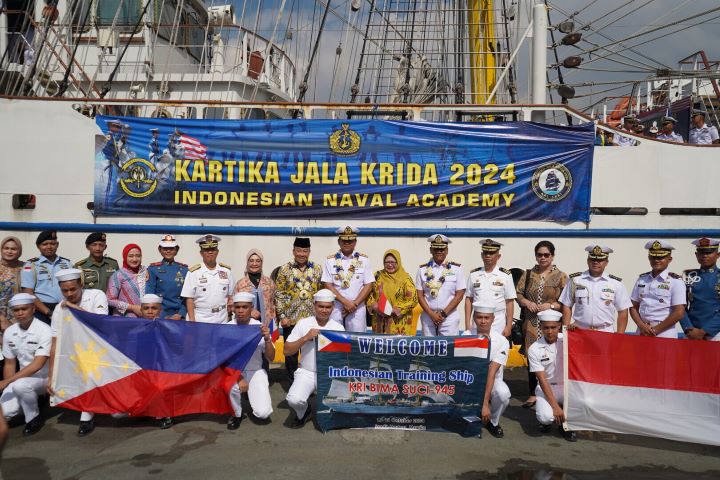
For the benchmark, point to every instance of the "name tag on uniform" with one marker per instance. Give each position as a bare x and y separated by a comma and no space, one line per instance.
664,286
202,280
477,285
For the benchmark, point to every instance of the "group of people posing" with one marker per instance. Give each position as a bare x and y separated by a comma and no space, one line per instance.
343,293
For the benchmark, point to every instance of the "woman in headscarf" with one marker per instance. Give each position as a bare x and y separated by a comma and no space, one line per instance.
10,266
127,286
399,290
259,285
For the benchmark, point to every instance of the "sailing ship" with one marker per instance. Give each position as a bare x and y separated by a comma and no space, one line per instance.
64,62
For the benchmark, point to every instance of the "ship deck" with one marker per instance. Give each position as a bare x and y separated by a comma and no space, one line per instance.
200,446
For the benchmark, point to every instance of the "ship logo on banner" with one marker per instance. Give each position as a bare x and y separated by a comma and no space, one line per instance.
552,182
345,142
138,178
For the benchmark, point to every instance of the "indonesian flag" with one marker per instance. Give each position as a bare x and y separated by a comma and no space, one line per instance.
383,304
639,385
471,347
194,150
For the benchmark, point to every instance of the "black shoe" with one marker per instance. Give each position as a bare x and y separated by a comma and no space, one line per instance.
234,423
86,428
33,426
568,435
545,428
495,430
299,422
166,422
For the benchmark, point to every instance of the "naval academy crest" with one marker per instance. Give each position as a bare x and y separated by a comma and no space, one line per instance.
138,178
345,142
552,182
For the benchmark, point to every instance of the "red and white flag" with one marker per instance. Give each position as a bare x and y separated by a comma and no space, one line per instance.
639,385
194,149
383,304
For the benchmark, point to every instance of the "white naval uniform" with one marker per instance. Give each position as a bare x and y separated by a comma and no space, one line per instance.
305,382
209,290
597,300
673,137
548,358
500,395
622,141
258,384
704,135
454,281
363,275
24,345
93,301
496,287
657,296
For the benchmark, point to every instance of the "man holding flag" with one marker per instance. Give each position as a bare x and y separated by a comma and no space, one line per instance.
75,296
302,339
254,380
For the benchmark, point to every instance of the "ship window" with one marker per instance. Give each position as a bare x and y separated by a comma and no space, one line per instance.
690,211
215,113
619,211
127,11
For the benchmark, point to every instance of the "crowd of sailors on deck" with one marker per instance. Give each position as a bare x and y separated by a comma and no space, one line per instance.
343,292
700,132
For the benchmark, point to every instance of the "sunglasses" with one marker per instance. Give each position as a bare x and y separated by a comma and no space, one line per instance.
543,255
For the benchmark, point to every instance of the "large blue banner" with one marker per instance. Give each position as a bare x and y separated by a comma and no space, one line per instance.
335,169
390,382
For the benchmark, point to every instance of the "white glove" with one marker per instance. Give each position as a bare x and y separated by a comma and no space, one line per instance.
466,333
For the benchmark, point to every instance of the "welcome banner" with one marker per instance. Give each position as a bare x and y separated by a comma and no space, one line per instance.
335,169
411,383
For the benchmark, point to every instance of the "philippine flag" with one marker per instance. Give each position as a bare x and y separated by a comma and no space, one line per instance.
160,368
472,347
637,385
334,342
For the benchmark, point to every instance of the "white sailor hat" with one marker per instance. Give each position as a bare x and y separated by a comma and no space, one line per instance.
67,274
438,241
658,248
668,119
699,112
150,298
490,245
549,315
706,245
21,299
324,295
114,122
598,252
208,241
168,241
483,306
243,297
347,232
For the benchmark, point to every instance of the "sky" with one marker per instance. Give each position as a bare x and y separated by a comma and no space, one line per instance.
332,75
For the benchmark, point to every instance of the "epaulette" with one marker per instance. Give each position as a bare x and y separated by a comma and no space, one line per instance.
194,267
182,264
331,256
454,263
674,275
76,264
362,254
476,269
646,273
576,274
155,264
615,278
34,259
505,271
226,266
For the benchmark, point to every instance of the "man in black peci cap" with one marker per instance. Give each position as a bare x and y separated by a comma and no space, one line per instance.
97,268
38,275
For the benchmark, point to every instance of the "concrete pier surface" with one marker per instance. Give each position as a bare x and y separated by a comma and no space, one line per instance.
200,447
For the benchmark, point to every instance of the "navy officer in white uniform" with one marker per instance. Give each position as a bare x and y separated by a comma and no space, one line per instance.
208,285
702,133
254,380
349,276
26,348
594,299
89,300
302,339
659,296
493,283
497,393
441,287
545,358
